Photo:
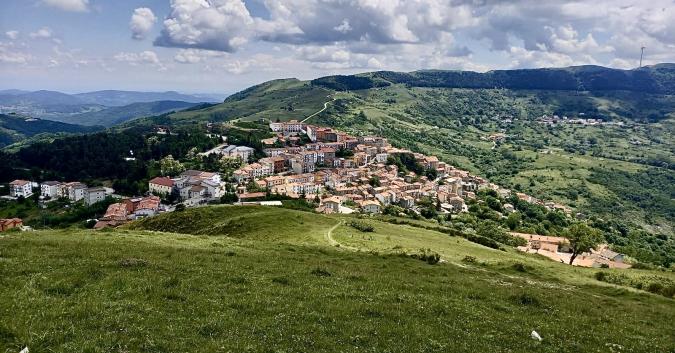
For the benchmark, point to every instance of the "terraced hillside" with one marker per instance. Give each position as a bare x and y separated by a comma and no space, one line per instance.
278,286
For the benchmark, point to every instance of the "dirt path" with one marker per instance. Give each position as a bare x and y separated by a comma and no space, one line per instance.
332,242
325,105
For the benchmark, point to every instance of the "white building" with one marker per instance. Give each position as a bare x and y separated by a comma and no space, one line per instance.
242,152
94,195
73,191
370,206
288,127
161,186
20,188
50,189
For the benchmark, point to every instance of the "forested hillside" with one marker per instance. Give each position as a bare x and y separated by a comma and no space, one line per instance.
658,79
14,128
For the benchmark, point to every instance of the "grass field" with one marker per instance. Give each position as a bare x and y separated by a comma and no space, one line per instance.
275,285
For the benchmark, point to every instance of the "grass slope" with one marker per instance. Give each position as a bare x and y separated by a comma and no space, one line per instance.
141,291
285,99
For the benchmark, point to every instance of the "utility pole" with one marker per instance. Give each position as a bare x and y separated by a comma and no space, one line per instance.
642,53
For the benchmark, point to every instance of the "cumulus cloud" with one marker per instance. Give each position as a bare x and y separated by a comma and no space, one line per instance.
144,57
193,56
42,33
12,34
445,33
68,5
9,54
215,24
141,22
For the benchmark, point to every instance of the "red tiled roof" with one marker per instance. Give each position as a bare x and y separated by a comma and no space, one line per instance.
163,181
19,182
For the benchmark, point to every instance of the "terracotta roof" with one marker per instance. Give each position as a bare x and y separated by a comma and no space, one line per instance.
333,199
19,182
163,181
151,203
10,220
116,211
251,195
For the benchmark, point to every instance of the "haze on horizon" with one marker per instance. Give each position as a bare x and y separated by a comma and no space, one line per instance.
222,46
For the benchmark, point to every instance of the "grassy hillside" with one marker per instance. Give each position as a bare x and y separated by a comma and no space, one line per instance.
283,99
134,290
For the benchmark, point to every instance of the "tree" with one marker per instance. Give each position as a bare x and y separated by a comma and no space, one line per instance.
513,220
491,229
583,238
170,166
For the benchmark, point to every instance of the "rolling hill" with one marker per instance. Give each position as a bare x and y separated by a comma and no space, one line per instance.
282,286
113,98
15,128
116,115
99,107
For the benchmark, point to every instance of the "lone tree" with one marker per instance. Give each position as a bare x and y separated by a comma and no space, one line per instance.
582,239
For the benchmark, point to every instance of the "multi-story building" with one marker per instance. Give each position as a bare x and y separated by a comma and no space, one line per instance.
50,189
19,188
161,186
94,195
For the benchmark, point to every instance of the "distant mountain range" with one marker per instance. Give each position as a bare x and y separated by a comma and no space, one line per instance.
116,115
105,108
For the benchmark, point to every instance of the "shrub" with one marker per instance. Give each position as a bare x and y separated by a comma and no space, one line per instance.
601,276
321,272
526,299
362,226
427,256
469,259
655,287
519,267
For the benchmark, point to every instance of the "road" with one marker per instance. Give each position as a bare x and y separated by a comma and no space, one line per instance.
325,106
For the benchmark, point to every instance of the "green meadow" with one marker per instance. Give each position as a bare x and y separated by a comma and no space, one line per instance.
262,279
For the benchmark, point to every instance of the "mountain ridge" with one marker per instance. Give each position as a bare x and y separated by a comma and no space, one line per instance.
657,79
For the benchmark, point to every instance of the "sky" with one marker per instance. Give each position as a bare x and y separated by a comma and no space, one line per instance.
223,46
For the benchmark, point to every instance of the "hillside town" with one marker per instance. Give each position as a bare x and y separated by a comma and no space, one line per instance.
343,173
337,172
